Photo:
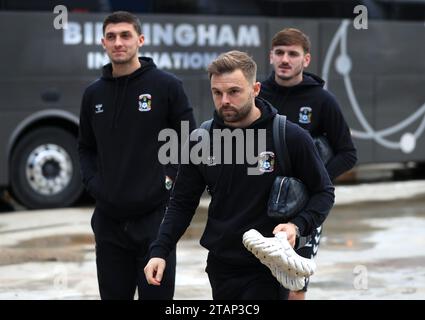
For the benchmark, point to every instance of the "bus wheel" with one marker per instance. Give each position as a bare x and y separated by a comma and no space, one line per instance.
45,169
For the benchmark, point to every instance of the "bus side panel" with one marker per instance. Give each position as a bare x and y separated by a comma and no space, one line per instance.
9,121
39,72
400,94
376,74
378,88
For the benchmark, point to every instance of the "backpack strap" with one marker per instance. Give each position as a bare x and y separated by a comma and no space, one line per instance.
206,125
282,154
279,140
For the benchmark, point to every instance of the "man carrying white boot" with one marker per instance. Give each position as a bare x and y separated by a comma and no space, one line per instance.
289,268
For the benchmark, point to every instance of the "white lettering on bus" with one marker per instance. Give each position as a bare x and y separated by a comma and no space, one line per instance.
164,60
182,60
96,60
248,36
171,35
72,34
207,35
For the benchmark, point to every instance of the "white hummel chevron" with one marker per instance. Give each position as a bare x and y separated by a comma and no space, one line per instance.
277,252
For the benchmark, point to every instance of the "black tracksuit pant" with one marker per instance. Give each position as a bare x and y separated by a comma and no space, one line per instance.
122,251
231,282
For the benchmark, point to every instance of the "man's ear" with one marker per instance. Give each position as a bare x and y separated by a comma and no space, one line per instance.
103,43
307,59
257,88
141,40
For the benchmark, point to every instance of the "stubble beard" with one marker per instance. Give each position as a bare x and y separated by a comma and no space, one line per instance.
238,115
124,60
286,78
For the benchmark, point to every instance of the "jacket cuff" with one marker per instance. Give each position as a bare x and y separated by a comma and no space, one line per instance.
301,223
158,252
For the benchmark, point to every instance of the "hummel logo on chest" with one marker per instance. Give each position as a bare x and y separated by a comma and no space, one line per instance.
98,108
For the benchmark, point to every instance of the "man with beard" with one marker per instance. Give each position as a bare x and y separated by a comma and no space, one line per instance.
301,97
238,198
121,116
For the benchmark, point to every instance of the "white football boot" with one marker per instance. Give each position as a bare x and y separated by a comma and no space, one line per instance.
276,253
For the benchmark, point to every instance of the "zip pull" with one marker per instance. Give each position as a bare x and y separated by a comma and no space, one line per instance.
280,189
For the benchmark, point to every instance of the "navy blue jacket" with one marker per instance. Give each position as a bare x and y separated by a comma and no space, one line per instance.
120,120
315,109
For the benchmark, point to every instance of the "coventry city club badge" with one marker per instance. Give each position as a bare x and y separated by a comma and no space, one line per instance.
305,115
266,161
145,101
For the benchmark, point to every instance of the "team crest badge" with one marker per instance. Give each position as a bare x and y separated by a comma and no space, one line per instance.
145,101
266,161
305,115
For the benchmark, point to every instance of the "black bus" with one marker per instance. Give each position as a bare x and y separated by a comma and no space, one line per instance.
377,73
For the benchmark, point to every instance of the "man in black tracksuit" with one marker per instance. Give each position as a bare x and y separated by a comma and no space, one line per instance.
239,199
301,97
121,116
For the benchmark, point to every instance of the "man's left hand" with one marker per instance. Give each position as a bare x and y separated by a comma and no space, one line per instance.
290,229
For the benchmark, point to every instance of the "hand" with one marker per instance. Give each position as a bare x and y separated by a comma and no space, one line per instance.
154,271
290,230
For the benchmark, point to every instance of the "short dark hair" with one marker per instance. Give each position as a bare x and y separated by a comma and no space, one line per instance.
123,16
291,37
231,61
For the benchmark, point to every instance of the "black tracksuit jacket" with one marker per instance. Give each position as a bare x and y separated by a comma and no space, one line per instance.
239,200
120,120
315,109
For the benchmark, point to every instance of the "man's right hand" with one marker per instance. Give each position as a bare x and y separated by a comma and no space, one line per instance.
290,230
154,271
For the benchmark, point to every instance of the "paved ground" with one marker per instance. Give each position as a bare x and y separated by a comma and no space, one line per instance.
372,249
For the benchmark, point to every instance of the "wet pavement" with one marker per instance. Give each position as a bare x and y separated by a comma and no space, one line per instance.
372,248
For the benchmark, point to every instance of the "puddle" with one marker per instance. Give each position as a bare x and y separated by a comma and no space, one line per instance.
383,240
57,241
397,263
350,228
65,248
414,207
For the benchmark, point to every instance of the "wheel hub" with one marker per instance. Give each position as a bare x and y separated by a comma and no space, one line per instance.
49,169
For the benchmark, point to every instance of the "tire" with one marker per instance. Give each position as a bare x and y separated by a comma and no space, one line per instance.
45,169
